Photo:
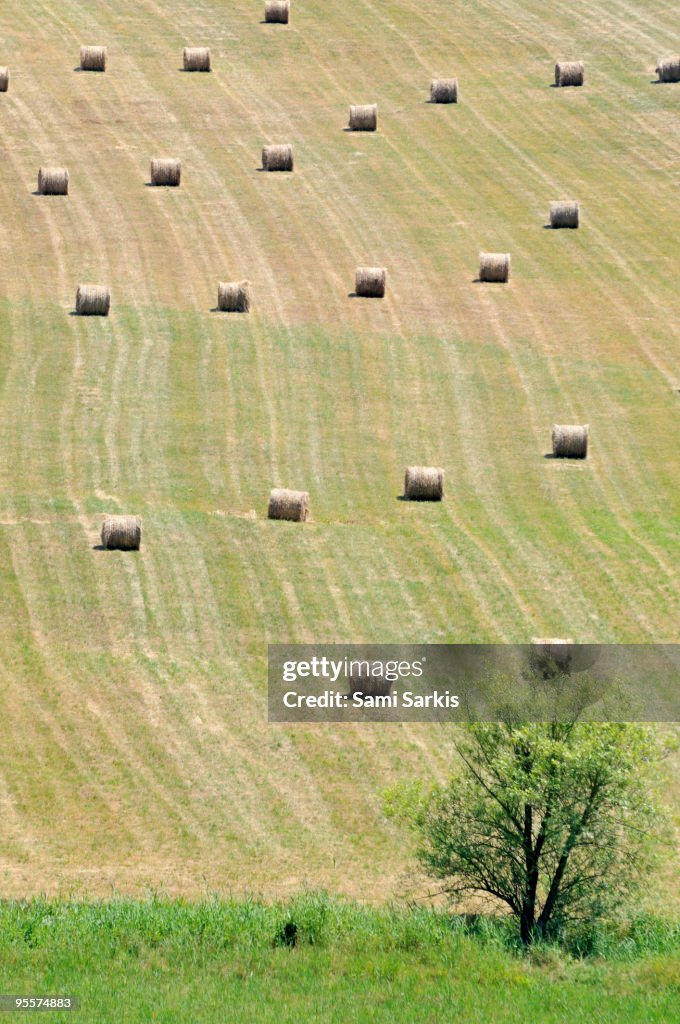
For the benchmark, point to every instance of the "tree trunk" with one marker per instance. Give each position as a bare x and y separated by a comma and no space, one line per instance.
528,915
526,926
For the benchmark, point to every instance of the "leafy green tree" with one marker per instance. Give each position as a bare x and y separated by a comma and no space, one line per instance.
555,820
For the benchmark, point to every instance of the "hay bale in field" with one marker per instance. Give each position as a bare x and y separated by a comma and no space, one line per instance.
370,282
444,90
277,12
196,58
569,72
564,215
669,70
92,300
53,181
277,158
570,441
291,505
233,296
424,483
93,58
122,533
363,118
166,172
494,266
4,79
369,683
551,656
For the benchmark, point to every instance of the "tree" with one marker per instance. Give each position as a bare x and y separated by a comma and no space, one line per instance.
554,820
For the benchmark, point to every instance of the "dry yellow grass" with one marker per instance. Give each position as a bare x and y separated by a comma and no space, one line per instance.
133,686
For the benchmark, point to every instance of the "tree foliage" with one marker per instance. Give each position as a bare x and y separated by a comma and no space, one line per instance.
554,820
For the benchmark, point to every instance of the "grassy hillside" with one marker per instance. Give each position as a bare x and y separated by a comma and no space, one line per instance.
135,750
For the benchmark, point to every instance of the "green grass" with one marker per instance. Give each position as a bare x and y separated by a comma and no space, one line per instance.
165,961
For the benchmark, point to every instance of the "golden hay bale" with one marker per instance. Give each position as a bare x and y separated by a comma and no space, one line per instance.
494,266
233,296
424,483
122,533
93,58
4,79
277,158
196,58
277,11
444,90
285,504
569,72
669,70
570,441
166,172
92,300
53,181
564,215
363,119
369,683
551,656
370,282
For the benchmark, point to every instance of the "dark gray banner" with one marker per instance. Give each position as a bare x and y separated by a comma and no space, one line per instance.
549,680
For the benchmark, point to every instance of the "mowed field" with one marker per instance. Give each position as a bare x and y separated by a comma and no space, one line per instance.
134,749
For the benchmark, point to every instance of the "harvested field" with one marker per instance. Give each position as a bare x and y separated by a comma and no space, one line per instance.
134,684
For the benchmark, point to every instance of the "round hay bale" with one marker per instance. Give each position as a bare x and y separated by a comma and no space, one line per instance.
93,58
564,215
494,266
570,441
277,12
291,505
370,684
444,90
122,533
4,79
277,158
553,653
669,70
569,72
196,58
551,656
53,181
370,282
93,300
424,483
363,119
166,172
233,296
